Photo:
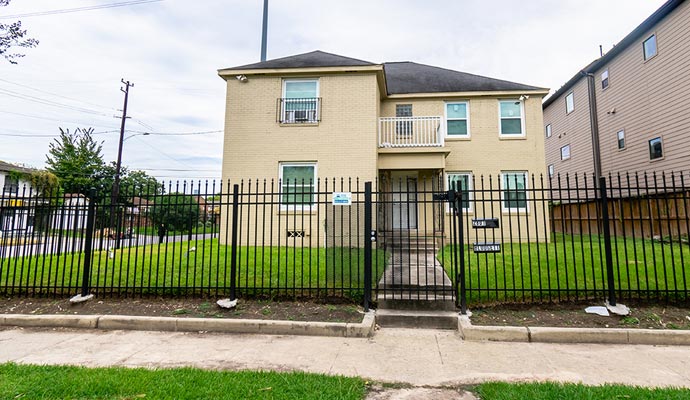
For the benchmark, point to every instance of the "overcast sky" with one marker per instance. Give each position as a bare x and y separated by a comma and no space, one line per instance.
171,51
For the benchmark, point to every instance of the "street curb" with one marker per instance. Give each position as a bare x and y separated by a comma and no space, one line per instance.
570,335
171,324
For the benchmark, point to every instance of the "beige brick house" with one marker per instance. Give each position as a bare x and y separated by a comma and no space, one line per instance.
304,119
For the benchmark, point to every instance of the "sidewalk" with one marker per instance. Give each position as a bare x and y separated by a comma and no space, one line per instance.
414,356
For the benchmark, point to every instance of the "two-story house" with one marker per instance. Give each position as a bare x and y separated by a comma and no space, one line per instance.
640,91
302,119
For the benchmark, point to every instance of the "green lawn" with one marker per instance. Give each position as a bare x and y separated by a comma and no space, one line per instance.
558,391
161,269
574,264
58,382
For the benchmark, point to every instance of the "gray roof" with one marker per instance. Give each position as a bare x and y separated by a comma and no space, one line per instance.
313,59
631,38
409,77
5,166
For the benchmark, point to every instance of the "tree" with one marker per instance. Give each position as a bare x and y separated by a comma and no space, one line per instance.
132,183
12,35
76,159
45,182
178,211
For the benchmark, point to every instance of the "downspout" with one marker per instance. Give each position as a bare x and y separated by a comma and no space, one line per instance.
594,125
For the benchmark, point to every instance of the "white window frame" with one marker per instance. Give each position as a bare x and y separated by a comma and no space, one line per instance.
296,207
572,96
503,190
567,146
470,188
551,170
467,119
656,47
548,131
284,93
605,78
618,139
522,119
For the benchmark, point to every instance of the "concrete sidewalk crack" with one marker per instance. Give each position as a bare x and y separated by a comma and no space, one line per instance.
438,348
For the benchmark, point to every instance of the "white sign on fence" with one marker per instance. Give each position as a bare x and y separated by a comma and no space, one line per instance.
342,198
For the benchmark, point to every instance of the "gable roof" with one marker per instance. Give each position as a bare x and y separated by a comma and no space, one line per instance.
409,77
5,166
633,36
306,60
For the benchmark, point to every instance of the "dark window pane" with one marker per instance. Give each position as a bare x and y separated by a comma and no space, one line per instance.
655,149
457,127
511,126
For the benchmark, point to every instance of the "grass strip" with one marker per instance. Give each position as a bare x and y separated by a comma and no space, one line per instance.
551,390
64,382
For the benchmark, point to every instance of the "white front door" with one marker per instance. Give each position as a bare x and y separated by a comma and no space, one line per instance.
404,200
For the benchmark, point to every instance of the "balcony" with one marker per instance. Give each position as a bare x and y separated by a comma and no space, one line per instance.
397,132
299,111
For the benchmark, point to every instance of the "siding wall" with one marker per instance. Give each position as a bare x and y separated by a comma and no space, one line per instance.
650,99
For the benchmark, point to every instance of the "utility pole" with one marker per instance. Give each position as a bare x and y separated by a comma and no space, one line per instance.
116,185
264,32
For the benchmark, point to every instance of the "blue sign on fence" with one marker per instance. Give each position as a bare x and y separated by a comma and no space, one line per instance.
342,198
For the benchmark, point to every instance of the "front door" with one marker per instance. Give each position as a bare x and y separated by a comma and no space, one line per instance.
404,200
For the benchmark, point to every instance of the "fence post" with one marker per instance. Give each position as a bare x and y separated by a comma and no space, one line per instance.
607,240
233,251
457,206
88,245
368,237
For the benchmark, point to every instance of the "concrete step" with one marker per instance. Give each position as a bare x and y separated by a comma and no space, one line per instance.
417,319
412,301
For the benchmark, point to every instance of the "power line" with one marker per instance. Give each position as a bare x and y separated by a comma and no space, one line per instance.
78,9
47,102
177,133
57,95
55,119
43,135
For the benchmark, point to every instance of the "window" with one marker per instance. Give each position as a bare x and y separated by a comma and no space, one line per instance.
548,130
297,183
11,185
514,186
510,114
565,152
457,119
300,102
463,182
655,149
551,170
570,102
404,127
649,47
621,140
605,79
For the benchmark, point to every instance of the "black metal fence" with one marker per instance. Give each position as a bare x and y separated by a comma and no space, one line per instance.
517,238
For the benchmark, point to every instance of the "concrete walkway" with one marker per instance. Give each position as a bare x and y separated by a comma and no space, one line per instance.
415,356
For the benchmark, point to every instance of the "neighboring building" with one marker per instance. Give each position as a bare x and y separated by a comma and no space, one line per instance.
17,194
642,94
318,116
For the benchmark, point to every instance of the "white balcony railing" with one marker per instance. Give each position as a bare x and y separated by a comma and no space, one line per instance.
410,132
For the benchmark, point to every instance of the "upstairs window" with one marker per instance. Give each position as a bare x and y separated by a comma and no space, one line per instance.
621,139
649,47
565,152
656,150
300,102
457,119
548,130
297,183
11,185
511,118
570,103
605,79
404,126
551,170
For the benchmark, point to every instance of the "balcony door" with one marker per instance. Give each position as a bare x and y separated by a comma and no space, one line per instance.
404,200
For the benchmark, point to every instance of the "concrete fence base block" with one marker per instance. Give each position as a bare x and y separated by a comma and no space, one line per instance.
658,337
578,335
52,321
115,322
